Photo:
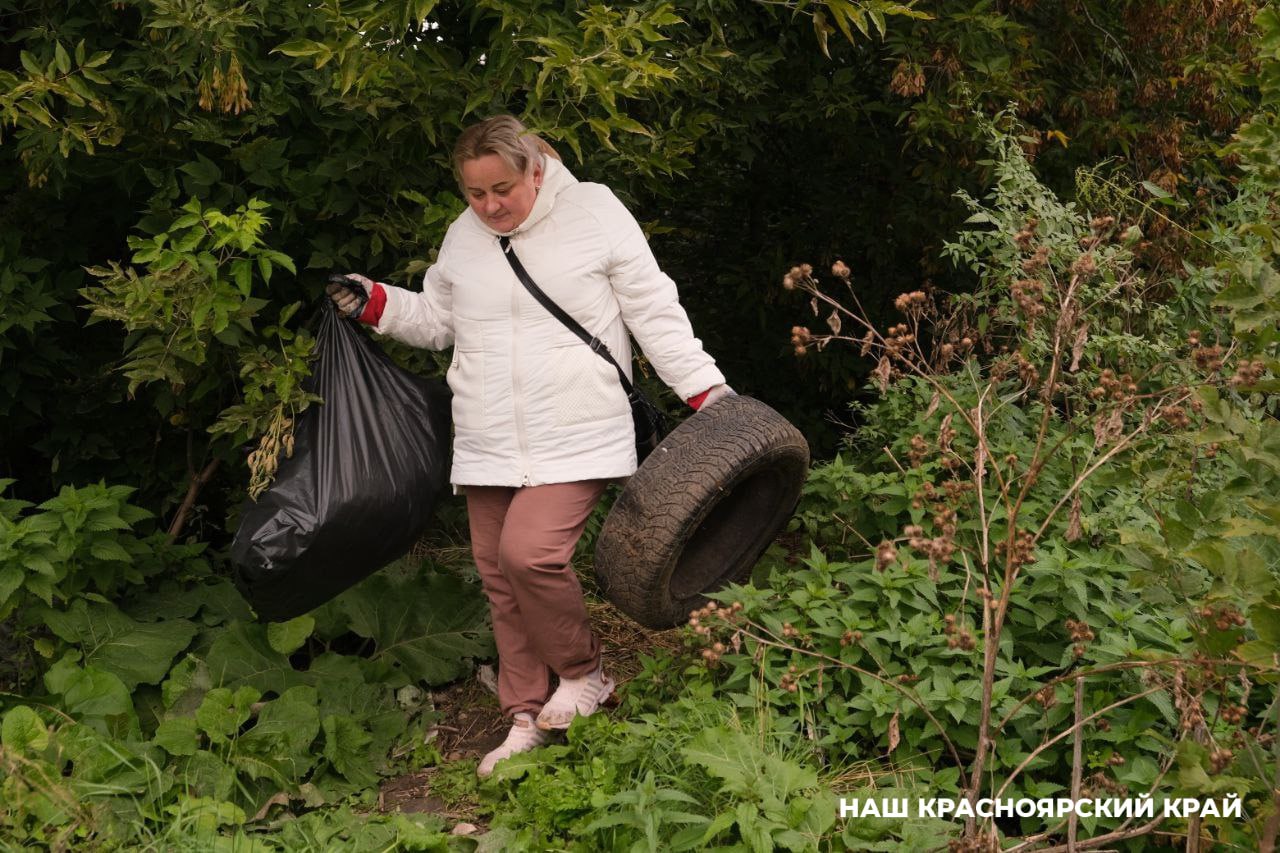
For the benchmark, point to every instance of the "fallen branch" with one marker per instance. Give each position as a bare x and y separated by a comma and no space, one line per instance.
188,503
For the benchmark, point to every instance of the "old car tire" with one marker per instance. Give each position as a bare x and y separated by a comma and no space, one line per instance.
701,510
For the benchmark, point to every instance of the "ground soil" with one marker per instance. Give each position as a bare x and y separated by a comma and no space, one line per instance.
471,722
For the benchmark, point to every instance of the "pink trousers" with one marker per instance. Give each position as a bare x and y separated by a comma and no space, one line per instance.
522,540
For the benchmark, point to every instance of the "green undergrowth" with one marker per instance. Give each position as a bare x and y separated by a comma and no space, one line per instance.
1057,533
166,718
1113,497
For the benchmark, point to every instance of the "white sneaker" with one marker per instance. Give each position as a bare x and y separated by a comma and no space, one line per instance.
575,697
524,736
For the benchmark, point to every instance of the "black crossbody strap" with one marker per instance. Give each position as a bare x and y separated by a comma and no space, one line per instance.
597,345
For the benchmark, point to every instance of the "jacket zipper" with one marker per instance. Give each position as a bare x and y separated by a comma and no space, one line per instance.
517,398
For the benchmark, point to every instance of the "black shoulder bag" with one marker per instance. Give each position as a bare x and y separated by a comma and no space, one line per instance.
649,421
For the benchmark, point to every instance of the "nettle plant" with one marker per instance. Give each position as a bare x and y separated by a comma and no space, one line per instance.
976,597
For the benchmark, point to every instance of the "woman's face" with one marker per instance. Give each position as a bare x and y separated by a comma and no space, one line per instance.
499,195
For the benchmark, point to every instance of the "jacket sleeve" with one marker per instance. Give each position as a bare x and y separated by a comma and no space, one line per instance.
421,319
651,306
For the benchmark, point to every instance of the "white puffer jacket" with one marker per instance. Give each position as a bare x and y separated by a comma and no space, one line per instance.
532,403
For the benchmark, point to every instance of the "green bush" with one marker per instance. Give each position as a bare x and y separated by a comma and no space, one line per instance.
161,705
1052,528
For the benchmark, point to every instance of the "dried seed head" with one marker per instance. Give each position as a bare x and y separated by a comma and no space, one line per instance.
1248,373
1084,266
1028,295
1037,262
886,555
919,448
908,80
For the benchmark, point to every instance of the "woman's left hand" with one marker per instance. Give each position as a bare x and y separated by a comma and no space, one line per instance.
711,395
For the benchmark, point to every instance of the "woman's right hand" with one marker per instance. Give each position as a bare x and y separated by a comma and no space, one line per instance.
347,302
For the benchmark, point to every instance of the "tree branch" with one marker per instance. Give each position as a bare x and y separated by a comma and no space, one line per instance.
188,503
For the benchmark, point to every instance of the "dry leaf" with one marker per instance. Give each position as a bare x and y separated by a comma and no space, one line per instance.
1077,348
882,373
1066,319
833,323
933,403
486,675
280,799
813,303
895,736
1108,429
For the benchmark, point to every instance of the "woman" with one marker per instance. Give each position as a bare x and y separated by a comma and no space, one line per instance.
541,422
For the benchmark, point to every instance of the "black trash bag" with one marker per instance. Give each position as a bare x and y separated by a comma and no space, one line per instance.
367,469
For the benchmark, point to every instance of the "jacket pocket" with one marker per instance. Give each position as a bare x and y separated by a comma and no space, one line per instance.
466,379
586,386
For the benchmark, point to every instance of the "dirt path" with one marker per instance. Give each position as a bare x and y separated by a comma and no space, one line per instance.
472,724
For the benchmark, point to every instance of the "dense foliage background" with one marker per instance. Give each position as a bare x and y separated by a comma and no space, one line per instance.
1070,414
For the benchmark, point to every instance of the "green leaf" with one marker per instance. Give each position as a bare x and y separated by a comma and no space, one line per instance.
287,637
1266,621
822,31
300,47
242,272
1156,190
109,550
427,626
204,816
745,767
286,729
1259,653
877,18
350,69
264,267
216,601
242,655
286,313
23,730
205,774
203,172
135,652
224,711
346,745
29,63
1237,527
631,125
178,736
61,58
88,692
11,578
603,132
281,259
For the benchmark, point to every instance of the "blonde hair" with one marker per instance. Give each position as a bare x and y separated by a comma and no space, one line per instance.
506,136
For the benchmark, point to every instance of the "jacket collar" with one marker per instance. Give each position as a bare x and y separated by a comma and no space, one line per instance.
556,177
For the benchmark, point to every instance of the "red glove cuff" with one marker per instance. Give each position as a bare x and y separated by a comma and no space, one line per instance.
697,401
372,312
